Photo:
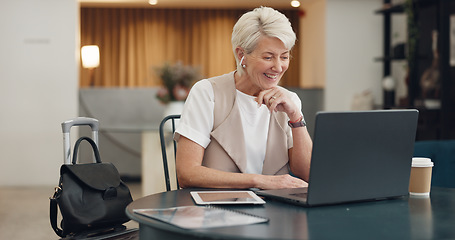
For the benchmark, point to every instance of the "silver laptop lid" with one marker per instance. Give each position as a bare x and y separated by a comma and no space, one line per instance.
361,155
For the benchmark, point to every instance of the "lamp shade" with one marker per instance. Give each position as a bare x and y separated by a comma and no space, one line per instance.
90,56
295,3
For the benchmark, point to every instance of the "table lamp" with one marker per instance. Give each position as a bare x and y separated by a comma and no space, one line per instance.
90,59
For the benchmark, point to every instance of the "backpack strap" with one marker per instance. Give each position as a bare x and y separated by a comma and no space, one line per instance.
53,210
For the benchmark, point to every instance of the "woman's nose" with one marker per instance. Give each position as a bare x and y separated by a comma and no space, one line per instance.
277,66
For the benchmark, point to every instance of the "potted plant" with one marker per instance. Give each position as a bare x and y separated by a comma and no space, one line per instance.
177,80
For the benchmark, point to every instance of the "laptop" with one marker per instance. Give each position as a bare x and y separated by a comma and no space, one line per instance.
357,156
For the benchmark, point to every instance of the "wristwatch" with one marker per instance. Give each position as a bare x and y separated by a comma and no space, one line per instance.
299,123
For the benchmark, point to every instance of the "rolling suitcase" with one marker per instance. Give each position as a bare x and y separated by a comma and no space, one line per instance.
91,196
66,128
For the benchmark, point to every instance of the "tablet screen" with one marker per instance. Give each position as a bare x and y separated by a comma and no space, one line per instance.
226,197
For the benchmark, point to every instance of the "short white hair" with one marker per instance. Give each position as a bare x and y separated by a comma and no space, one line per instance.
262,21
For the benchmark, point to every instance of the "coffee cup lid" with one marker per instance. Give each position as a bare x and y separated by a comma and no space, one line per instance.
422,162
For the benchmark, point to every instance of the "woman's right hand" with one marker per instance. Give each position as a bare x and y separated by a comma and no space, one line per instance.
279,181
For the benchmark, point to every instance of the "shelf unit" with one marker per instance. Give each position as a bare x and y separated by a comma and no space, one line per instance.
387,11
434,123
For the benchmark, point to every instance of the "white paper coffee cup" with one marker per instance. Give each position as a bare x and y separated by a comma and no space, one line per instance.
420,180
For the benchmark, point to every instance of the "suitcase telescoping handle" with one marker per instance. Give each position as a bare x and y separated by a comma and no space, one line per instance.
79,121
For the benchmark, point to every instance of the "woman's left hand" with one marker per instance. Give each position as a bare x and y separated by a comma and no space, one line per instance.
277,99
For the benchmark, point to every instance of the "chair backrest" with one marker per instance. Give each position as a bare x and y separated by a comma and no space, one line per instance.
165,129
442,154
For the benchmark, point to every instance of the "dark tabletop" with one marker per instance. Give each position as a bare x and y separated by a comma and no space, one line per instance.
401,218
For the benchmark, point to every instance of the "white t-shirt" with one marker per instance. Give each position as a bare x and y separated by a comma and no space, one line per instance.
196,123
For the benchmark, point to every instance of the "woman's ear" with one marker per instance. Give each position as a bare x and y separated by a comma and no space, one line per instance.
240,53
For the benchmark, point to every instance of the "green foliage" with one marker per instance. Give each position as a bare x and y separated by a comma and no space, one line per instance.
413,32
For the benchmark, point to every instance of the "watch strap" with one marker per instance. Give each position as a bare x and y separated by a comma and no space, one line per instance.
299,123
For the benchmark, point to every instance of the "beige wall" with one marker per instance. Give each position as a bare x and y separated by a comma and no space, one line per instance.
312,39
340,39
353,39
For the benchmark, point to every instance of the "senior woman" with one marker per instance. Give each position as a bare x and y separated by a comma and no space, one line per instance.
242,130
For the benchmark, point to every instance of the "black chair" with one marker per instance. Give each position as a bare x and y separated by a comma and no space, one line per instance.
163,129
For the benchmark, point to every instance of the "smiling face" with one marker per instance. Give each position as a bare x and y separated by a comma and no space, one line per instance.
264,66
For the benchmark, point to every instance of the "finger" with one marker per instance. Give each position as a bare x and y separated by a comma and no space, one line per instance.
271,100
260,98
275,100
298,183
264,97
273,103
271,96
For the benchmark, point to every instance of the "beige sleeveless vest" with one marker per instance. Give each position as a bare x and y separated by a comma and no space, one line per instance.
226,150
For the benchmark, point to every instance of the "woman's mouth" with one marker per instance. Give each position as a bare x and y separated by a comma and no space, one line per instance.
271,76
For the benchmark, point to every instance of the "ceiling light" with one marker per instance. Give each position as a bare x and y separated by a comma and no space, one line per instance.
153,2
295,3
